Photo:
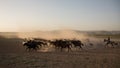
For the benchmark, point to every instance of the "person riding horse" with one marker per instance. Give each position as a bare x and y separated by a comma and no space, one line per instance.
108,41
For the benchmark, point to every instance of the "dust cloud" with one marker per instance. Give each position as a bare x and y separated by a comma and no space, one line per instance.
9,34
61,34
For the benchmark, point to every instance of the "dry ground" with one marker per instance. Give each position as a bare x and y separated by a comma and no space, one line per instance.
13,55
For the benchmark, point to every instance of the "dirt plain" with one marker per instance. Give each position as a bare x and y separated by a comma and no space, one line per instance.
14,55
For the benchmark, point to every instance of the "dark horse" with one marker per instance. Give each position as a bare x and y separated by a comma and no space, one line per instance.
77,43
33,45
108,41
62,43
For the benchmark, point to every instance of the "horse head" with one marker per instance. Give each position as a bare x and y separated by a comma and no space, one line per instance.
105,40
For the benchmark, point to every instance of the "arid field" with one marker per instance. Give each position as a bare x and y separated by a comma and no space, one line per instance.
14,55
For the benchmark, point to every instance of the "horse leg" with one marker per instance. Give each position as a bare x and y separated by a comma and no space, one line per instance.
69,49
106,45
80,47
61,49
34,49
112,45
27,49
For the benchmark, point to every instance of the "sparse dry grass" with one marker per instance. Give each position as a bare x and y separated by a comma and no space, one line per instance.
12,55
81,59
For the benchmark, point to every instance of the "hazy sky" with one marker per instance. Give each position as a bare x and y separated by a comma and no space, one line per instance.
29,15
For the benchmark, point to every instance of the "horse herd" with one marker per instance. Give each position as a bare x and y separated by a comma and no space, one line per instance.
35,44
61,44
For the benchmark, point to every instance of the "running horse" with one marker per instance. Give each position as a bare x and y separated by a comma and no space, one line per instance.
108,41
61,43
77,43
33,45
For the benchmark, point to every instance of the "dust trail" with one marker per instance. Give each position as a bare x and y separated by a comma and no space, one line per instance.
9,34
61,34
90,42
50,35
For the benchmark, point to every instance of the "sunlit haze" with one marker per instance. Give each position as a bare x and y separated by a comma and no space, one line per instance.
35,15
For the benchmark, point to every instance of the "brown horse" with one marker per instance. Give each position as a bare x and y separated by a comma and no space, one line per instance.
77,43
62,43
33,45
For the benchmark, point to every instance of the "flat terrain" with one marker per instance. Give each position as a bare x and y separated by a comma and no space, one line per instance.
13,55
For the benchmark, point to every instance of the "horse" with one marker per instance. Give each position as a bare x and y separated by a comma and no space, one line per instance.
77,43
108,41
62,43
33,45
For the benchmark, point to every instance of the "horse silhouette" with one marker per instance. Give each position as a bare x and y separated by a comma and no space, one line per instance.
77,43
33,45
108,41
61,43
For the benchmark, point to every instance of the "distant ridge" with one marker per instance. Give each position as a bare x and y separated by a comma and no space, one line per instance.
57,33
